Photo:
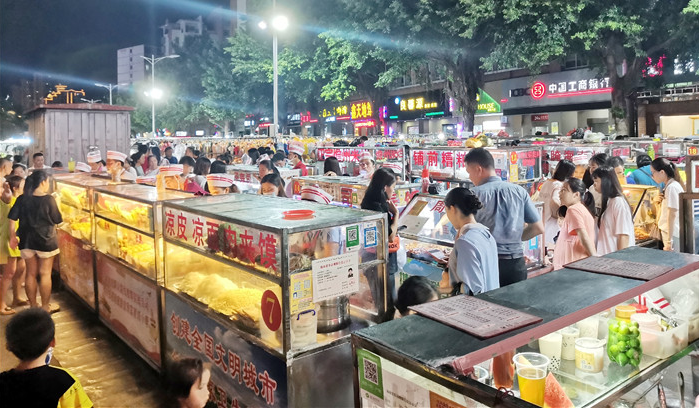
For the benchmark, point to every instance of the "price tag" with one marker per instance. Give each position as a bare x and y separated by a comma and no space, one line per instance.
271,310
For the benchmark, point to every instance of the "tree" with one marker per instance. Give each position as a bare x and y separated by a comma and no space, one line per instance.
433,34
617,38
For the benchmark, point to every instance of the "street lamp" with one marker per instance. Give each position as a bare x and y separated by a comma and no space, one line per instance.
279,23
155,93
110,87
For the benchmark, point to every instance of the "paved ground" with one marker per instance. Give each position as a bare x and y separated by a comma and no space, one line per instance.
112,374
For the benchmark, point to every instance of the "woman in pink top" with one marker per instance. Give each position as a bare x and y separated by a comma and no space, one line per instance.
577,237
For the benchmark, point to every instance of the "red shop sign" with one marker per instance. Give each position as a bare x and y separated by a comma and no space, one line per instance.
540,118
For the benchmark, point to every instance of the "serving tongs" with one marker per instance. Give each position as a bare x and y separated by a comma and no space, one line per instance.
670,321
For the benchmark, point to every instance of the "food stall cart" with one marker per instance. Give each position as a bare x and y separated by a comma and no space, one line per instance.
246,176
349,191
349,157
426,360
128,259
446,164
689,208
271,296
428,237
76,234
645,217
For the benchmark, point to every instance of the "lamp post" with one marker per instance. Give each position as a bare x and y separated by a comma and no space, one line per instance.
110,87
279,23
90,101
153,94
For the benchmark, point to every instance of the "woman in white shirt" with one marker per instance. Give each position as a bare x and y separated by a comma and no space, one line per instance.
664,171
549,195
615,221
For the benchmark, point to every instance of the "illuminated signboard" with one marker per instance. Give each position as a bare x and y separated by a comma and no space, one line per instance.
563,89
293,120
361,110
365,123
413,106
63,90
340,110
486,103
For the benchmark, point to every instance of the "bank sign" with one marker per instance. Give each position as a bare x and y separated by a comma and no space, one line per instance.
560,88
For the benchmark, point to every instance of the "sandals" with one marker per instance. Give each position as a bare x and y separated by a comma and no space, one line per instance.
54,307
20,303
7,311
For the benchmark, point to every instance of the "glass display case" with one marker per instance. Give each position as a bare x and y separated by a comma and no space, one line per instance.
127,224
246,176
349,191
571,357
349,157
428,238
290,283
73,194
644,210
128,254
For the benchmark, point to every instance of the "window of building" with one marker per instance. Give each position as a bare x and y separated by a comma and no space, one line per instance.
575,62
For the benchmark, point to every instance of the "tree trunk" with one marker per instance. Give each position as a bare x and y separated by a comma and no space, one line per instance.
226,127
467,80
622,87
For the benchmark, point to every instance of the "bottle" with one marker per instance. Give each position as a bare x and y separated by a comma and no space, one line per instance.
651,151
71,165
425,186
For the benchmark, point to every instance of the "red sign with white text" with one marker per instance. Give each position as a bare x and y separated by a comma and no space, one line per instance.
540,118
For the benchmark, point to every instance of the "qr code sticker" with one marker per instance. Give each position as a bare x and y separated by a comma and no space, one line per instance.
371,373
352,234
370,237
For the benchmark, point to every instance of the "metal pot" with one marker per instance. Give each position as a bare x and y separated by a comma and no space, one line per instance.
333,314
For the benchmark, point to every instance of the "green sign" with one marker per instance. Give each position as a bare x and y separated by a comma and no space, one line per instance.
370,375
352,236
486,103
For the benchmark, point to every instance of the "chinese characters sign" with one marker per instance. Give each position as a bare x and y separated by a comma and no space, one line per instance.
252,247
352,154
361,110
242,374
413,106
129,305
341,110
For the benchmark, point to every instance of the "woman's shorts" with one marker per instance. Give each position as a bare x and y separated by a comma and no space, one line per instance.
29,253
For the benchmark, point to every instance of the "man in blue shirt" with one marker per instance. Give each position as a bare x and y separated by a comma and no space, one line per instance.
508,212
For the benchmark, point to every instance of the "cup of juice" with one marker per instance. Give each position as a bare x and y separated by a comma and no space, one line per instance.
531,369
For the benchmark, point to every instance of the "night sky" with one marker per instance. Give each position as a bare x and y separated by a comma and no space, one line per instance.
80,38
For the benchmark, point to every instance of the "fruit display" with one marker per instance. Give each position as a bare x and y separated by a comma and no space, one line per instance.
624,343
555,395
480,140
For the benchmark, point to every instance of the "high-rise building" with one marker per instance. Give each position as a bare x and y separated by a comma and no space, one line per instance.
131,67
175,34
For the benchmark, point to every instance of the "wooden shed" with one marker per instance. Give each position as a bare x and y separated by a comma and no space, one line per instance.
62,131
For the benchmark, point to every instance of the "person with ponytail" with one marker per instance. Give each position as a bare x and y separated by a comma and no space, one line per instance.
577,237
664,171
38,215
615,220
473,263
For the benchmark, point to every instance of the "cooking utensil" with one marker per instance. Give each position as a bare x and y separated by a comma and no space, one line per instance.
680,383
672,322
662,401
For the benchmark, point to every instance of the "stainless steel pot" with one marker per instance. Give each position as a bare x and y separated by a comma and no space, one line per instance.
333,314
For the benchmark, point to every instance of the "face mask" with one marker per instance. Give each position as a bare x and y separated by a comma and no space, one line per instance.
363,172
49,355
271,193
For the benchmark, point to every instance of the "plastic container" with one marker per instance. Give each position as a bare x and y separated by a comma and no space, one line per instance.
659,344
648,321
692,325
589,354
624,312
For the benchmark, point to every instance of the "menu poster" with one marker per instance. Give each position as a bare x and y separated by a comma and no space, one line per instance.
335,276
617,267
475,316
129,305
